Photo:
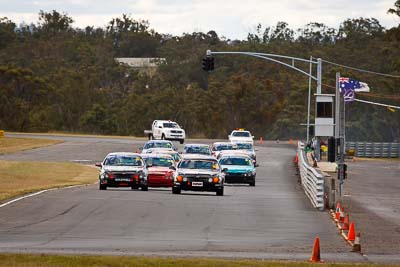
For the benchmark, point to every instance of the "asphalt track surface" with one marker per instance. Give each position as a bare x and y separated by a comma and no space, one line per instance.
273,220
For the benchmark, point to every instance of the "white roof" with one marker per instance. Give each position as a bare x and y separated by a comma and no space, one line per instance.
140,62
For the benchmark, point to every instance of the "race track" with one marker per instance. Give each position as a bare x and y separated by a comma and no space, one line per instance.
274,219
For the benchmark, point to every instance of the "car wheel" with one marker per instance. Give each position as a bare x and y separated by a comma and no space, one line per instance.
253,183
103,187
145,188
176,190
163,137
220,192
181,141
135,187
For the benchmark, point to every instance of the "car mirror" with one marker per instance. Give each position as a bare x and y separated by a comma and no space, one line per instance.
141,148
98,164
160,127
172,168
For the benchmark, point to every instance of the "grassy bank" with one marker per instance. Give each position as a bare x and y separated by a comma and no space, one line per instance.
14,260
17,178
11,144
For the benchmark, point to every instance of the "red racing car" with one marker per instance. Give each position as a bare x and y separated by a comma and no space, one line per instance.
161,169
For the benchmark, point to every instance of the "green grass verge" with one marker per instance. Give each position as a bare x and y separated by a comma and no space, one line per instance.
29,260
18,178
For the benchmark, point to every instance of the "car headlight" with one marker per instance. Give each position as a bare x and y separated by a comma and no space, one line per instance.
102,176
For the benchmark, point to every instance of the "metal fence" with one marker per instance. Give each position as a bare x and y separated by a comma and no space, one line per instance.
374,150
311,179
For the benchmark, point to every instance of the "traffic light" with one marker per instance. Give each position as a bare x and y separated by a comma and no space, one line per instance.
205,64
208,63
344,171
211,63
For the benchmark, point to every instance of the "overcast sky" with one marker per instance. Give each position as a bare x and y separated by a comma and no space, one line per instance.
230,18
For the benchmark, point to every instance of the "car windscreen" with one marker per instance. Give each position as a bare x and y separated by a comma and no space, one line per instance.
157,145
170,125
223,147
241,134
159,161
205,150
198,164
244,146
242,161
117,160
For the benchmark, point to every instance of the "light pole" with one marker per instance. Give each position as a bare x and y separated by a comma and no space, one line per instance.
277,59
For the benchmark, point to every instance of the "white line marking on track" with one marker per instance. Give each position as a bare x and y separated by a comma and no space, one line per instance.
35,194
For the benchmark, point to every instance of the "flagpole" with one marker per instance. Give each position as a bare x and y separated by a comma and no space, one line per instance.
344,128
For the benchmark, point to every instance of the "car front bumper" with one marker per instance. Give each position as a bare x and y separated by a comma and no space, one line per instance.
207,187
239,178
123,182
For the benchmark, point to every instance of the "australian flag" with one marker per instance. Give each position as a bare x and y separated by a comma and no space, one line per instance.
349,86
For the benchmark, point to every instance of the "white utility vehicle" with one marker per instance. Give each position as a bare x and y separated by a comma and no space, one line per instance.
166,130
241,136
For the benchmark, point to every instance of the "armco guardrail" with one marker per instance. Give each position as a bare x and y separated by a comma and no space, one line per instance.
311,179
375,150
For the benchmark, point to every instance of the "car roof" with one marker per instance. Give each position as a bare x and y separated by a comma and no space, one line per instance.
202,145
153,155
158,141
198,156
244,143
164,150
233,155
124,154
240,131
158,149
222,143
164,121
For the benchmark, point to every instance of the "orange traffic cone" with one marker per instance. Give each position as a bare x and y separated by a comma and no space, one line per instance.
261,140
346,223
357,245
296,159
351,236
338,207
341,216
316,255
337,215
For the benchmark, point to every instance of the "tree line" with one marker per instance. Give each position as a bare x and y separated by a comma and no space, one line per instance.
54,77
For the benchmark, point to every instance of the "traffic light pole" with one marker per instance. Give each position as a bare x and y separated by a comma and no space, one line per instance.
278,59
339,135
